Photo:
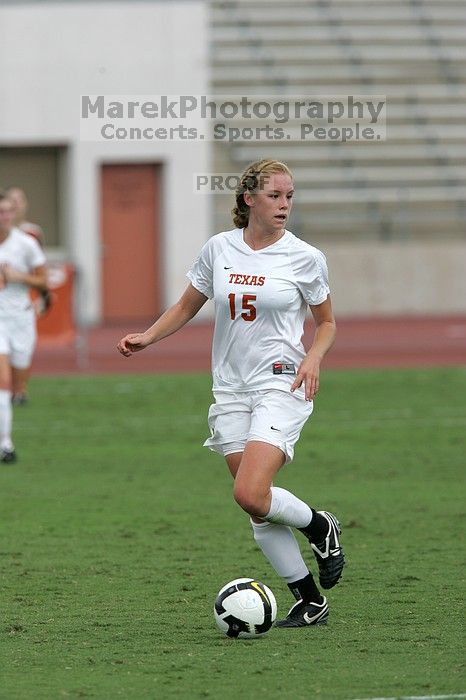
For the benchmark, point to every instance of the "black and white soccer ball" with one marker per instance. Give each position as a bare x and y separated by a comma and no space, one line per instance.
245,608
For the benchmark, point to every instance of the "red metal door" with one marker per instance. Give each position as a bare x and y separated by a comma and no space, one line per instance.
130,234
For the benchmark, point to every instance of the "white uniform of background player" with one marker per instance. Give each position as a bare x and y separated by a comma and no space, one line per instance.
262,279
22,265
17,316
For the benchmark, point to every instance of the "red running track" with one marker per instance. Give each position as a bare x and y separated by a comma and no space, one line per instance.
367,342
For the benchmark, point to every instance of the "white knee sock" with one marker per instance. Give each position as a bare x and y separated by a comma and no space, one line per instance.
5,420
286,509
280,547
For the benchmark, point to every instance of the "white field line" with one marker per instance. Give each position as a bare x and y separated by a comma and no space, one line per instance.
455,696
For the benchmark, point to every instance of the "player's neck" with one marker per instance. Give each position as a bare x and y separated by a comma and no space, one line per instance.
258,238
4,234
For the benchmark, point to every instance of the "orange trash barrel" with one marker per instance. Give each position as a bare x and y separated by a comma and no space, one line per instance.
57,325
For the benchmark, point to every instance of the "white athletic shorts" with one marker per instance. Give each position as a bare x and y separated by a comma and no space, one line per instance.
18,339
272,416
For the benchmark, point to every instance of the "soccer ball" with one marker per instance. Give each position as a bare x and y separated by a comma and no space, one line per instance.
245,608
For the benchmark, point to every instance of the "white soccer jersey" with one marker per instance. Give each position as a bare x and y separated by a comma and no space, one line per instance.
261,298
23,253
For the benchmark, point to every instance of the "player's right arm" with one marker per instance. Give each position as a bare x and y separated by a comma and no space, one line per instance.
169,322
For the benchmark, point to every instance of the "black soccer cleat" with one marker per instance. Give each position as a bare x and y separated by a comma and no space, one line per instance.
305,614
19,399
329,554
8,456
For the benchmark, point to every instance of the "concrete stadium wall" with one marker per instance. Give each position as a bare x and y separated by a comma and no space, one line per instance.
50,54
398,278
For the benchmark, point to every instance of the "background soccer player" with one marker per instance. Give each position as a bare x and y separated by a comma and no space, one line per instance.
19,201
262,279
22,266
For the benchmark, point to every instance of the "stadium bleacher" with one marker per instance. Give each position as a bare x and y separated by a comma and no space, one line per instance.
411,186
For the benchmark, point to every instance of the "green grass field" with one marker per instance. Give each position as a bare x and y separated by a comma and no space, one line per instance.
118,529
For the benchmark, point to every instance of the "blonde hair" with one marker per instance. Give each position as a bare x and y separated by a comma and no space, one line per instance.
252,180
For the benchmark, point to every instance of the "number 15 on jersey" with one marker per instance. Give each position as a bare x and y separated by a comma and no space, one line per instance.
248,308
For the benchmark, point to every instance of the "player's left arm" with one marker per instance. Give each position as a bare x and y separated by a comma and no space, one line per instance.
324,338
36,278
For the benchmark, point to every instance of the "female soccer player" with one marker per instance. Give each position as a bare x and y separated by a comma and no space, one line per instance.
19,202
262,278
22,266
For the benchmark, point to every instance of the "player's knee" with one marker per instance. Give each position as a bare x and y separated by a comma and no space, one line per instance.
249,501
5,381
